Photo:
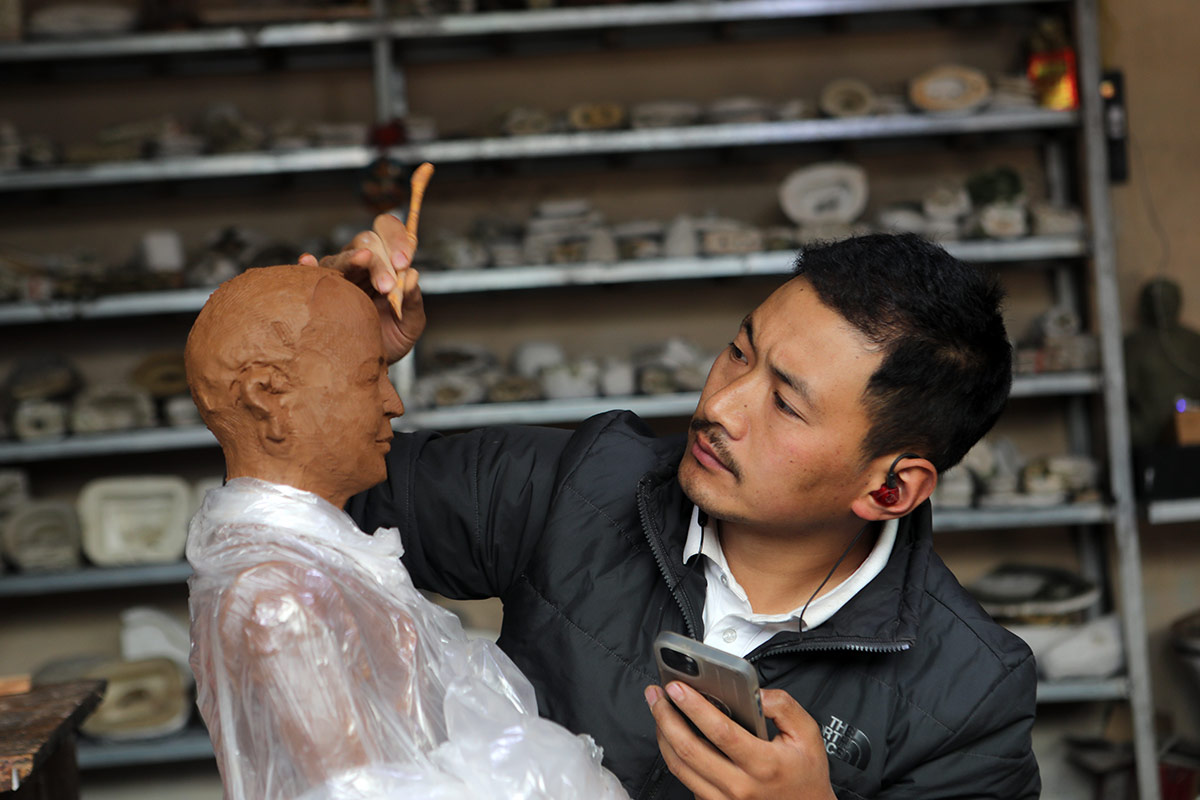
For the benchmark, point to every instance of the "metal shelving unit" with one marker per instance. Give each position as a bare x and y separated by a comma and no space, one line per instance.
977,519
1083,691
734,135
190,744
148,440
640,15
755,134
546,412
250,37
87,579
310,34
230,165
185,301
1118,514
1124,527
193,743
1165,512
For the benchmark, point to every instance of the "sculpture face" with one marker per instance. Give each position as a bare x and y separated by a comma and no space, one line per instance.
342,402
286,365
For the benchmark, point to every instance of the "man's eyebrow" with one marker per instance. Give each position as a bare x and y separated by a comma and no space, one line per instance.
798,385
748,327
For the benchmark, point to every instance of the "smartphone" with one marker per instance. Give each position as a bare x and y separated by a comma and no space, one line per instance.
728,682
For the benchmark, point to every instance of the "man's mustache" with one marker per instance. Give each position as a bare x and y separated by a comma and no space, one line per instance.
716,440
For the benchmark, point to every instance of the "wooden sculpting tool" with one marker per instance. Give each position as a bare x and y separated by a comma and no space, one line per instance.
420,180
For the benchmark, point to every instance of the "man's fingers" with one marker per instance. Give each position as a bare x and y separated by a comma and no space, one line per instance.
409,280
395,237
789,716
735,742
308,260
680,747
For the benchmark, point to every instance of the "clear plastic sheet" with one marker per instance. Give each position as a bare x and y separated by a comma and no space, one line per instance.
323,674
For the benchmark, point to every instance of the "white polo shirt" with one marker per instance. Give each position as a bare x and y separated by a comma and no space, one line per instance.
729,622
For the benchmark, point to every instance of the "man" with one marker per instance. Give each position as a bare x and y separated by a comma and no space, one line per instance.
792,527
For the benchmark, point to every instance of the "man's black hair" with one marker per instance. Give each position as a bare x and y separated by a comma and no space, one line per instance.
947,366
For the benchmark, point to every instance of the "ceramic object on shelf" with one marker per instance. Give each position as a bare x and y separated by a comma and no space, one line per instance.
35,420
830,192
847,97
42,535
148,632
664,114
950,89
134,519
103,409
144,699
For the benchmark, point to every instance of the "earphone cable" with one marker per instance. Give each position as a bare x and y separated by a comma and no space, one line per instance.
832,570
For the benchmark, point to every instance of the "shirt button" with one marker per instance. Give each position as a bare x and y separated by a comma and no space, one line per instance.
724,579
729,635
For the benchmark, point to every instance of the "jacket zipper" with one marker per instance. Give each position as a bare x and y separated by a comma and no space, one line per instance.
812,647
660,558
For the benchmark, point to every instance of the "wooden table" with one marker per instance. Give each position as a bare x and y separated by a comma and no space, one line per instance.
37,739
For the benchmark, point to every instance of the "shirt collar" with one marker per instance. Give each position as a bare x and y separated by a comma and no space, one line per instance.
704,540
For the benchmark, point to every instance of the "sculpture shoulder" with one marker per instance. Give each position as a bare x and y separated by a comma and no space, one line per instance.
277,600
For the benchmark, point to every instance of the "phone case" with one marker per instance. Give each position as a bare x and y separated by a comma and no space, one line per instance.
728,682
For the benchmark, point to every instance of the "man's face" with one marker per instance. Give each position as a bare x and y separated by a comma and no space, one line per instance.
343,402
776,438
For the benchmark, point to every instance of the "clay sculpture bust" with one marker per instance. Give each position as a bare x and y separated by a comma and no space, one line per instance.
321,671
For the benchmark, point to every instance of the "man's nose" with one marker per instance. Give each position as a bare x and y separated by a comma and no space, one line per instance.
728,405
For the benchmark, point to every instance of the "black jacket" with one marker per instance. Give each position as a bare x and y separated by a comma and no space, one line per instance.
919,694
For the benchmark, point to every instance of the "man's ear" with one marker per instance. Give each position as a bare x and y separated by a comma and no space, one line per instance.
916,478
262,391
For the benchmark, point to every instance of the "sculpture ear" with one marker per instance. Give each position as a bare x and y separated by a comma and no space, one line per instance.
263,391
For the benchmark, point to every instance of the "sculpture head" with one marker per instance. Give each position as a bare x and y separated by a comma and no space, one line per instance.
286,365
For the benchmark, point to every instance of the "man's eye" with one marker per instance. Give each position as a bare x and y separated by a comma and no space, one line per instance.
784,407
736,352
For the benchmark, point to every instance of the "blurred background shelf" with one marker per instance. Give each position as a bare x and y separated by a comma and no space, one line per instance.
28,584
1162,512
250,37
98,578
1083,691
734,135
309,34
755,134
973,519
188,301
190,744
639,15
541,412
193,744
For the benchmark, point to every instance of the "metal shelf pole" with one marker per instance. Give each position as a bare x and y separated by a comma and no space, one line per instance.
1125,524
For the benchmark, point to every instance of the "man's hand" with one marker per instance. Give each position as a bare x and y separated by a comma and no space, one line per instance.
378,261
734,763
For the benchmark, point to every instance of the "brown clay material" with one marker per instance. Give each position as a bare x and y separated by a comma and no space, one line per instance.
286,365
420,181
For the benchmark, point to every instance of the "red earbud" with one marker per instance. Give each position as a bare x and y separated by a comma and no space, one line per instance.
886,495
889,494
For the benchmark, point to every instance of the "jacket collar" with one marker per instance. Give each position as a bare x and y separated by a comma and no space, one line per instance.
883,617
